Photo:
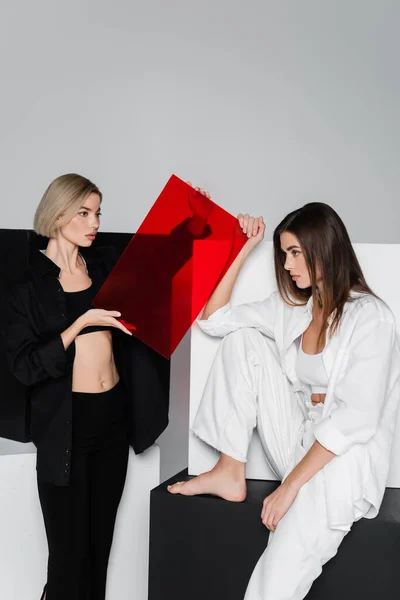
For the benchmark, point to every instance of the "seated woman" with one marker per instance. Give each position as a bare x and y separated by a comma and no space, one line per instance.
316,368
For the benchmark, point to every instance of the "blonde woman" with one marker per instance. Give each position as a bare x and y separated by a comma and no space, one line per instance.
95,389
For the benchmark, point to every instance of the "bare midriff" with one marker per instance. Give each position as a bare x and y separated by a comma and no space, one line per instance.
317,398
94,368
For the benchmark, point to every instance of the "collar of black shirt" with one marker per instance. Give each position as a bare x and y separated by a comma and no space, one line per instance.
43,265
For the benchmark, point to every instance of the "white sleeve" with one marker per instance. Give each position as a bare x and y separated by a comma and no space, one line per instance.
260,315
362,390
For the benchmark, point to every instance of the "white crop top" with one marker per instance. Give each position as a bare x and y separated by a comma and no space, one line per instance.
311,370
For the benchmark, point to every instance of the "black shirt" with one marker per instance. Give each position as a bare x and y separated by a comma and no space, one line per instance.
35,316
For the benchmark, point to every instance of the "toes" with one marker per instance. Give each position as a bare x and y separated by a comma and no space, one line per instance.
176,487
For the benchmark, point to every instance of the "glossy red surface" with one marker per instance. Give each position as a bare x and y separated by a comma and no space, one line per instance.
172,264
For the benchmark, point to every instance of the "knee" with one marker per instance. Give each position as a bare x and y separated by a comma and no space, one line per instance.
251,344
245,338
243,334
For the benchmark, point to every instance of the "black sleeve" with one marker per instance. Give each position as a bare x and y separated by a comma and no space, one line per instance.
31,360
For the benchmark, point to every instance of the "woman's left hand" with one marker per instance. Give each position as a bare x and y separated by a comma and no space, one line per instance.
276,505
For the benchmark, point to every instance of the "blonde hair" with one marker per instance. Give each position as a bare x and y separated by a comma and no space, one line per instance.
62,200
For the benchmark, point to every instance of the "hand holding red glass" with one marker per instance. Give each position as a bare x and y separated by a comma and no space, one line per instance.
185,238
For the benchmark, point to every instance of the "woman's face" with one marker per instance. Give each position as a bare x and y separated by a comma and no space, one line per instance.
295,261
82,228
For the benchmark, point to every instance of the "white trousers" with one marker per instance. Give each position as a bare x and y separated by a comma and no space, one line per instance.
247,388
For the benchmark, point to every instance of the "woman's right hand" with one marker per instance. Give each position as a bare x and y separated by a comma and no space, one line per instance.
99,316
253,227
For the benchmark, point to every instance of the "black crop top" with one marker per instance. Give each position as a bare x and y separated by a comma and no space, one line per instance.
78,303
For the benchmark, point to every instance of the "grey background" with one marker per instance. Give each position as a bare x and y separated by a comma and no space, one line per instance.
267,104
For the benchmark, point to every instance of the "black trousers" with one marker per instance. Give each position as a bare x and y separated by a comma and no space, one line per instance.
79,519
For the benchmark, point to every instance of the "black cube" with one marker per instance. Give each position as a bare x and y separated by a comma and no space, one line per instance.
204,548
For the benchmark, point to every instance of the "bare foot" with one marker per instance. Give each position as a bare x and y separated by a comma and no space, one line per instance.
226,480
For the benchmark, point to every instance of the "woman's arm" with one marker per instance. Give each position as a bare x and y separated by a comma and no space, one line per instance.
69,334
254,228
33,360
277,504
219,318
361,393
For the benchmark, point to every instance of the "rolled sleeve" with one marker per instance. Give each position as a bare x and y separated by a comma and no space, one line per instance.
30,359
215,322
260,315
54,358
330,437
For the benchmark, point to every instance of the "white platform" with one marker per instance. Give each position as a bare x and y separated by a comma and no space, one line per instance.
256,281
23,547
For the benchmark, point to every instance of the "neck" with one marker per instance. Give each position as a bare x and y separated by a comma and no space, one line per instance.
64,254
318,303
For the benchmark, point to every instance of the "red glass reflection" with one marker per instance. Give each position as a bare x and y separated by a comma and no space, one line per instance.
170,267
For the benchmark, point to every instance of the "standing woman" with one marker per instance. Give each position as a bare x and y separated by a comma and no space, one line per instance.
316,367
94,388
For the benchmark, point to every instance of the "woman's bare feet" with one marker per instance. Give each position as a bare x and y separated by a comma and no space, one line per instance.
226,480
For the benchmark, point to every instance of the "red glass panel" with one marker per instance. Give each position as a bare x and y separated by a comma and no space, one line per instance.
170,267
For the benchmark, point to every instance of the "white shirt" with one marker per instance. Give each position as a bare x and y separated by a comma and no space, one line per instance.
362,360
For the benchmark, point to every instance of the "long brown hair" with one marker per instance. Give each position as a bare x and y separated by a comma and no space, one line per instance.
325,242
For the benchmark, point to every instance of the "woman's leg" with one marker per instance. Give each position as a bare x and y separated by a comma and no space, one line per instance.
108,476
65,511
79,518
108,467
301,544
246,388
